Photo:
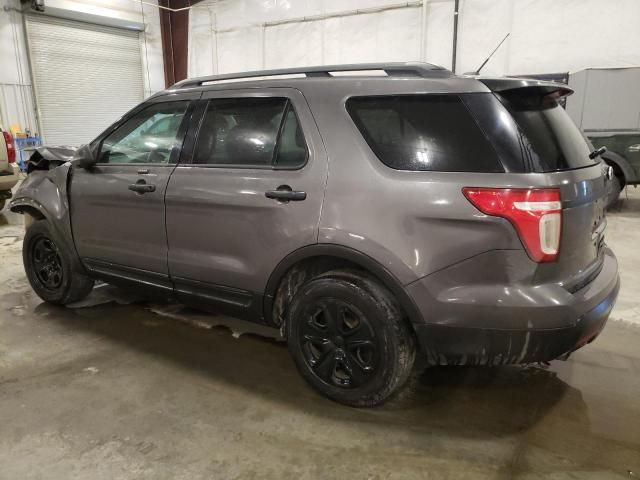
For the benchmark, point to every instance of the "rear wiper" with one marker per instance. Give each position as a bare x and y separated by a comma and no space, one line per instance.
597,152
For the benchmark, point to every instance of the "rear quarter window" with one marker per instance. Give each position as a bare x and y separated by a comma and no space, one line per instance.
423,133
550,140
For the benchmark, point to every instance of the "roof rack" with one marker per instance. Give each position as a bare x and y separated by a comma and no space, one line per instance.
394,69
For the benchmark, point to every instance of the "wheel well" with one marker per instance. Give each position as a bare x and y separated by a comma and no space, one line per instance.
307,268
32,211
617,171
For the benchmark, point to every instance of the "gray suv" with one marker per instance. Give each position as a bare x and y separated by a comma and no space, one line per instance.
370,212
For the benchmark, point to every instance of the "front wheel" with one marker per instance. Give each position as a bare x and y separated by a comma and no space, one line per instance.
49,267
349,339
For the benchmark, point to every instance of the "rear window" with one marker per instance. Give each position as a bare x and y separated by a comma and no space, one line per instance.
423,132
550,139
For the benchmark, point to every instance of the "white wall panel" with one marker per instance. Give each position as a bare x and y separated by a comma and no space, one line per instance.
439,34
295,44
240,50
546,35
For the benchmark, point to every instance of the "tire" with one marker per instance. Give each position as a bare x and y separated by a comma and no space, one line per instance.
365,356
3,201
49,267
613,194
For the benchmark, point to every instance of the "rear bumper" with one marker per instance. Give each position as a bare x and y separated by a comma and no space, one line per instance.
523,331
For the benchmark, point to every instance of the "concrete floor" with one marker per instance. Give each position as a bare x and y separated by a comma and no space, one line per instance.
116,388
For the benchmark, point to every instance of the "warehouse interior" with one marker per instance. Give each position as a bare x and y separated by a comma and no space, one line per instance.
123,385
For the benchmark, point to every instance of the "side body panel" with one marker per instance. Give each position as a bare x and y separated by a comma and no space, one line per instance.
414,223
112,224
224,234
116,227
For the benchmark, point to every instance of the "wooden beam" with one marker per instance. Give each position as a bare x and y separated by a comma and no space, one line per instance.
174,28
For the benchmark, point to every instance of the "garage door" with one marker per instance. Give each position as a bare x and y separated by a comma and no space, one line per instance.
86,76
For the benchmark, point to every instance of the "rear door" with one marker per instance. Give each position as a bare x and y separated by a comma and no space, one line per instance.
117,207
248,193
554,147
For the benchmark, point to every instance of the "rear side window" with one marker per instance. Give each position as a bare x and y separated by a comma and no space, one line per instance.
257,131
550,139
423,132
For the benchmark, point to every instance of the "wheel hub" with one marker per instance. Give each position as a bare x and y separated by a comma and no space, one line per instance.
339,343
47,264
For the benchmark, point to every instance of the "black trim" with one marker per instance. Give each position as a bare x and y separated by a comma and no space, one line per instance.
345,253
220,298
202,295
121,274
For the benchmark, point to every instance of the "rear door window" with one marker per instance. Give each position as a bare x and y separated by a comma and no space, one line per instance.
550,139
423,132
250,132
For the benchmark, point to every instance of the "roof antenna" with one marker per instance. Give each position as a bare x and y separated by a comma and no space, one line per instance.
477,72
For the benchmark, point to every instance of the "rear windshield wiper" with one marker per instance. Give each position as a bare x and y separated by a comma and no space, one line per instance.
597,152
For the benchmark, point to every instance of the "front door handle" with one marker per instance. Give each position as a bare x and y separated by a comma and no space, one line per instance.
285,193
142,187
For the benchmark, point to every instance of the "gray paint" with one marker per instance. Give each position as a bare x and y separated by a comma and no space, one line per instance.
220,224
459,266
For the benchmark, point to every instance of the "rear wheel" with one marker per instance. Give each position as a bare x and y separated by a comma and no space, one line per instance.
49,267
613,193
349,339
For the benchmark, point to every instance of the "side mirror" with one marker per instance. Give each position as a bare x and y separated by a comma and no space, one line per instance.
84,157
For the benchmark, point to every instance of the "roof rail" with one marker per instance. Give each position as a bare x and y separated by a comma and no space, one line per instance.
393,69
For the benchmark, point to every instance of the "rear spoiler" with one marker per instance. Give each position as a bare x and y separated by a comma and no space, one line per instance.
527,86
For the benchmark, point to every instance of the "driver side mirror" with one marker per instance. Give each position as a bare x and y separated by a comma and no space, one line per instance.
85,157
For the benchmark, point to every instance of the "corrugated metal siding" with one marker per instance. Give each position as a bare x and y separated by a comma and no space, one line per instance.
85,76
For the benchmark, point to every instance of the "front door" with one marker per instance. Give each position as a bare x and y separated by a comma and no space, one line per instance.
249,194
118,213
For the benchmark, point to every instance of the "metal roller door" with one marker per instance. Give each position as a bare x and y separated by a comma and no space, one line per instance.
85,76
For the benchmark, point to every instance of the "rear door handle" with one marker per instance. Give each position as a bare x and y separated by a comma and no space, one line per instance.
142,187
284,193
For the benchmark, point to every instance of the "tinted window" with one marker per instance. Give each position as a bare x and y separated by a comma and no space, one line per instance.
423,132
147,137
550,139
292,149
244,131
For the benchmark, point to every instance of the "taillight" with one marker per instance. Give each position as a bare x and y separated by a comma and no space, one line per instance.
11,148
536,215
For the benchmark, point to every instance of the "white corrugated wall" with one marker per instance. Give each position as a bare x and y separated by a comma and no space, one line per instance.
546,35
85,76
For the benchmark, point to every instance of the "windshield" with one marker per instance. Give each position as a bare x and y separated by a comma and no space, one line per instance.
549,139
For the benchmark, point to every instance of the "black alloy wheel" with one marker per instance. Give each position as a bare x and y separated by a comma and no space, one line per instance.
47,264
338,343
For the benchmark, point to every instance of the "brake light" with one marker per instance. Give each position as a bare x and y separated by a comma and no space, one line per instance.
536,215
11,149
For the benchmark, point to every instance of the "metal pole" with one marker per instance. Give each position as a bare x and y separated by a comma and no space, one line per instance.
455,36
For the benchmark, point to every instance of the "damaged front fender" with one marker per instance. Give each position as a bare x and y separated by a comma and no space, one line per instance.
44,195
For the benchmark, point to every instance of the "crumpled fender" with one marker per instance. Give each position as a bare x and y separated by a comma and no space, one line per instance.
44,194
48,157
